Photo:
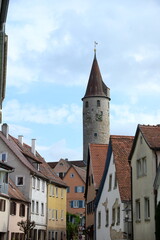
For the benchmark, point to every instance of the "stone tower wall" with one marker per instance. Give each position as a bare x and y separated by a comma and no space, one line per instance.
96,125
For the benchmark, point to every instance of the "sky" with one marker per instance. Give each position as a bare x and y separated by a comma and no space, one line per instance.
50,53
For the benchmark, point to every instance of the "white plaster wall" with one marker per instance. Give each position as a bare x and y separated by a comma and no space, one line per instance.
143,187
104,232
41,197
4,217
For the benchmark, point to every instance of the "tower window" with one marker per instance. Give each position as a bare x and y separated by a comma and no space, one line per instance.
98,103
95,134
86,104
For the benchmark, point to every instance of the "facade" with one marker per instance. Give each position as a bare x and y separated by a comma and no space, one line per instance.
95,168
31,176
75,179
4,200
3,51
113,201
96,126
144,159
56,212
18,210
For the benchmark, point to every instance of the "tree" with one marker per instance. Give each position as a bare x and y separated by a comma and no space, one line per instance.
73,222
26,226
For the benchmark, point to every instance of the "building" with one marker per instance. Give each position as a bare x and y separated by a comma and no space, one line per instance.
96,125
4,199
95,168
75,179
144,159
113,201
32,176
3,51
18,211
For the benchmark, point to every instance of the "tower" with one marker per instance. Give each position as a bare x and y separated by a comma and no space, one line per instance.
96,124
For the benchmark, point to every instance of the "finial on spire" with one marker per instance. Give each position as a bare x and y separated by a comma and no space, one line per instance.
95,44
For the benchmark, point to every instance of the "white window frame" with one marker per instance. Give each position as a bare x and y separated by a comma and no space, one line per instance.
20,176
38,183
33,182
146,208
138,210
33,206
43,185
42,209
3,154
56,192
53,213
37,207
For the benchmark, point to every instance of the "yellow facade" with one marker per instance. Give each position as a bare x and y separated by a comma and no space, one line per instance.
56,212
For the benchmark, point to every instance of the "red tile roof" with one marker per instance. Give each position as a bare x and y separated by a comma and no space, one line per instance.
121,146
23,152
81,172
151,135
15,193
78,163
98,154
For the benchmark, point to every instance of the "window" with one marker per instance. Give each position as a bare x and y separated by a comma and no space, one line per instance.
33,206
52,214
38,184
52,189
33,182
77,204
61,175
12,208
56,191
86,104
95,134
99,219
37,207
42,209
2,205
43,185
113,216
62,214
3,157
56,215
115,181
22,210
141,167
138,210
110,182
98,103
49,214
5,177
72,175
107,217
20,181
61,192
68,189
146,208
79,189
118,215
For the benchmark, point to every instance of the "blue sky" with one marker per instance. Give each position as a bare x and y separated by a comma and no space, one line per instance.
50,54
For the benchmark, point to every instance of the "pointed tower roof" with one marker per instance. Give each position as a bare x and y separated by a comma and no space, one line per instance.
96,87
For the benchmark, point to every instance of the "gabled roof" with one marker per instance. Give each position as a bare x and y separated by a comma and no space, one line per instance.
25,155
96,87
81,172
15,193
78,163
98,154
151,134
120,147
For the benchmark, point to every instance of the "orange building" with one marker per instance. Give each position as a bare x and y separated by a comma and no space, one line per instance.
75,179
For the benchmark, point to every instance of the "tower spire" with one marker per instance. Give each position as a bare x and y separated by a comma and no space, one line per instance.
95,44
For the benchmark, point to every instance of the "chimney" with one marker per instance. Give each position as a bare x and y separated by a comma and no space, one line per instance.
33,144
20,139
5,130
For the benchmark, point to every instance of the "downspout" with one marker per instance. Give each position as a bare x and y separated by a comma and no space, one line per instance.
132,237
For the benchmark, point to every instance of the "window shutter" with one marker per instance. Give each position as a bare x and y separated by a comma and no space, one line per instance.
76,189
71,204
82,188
80,203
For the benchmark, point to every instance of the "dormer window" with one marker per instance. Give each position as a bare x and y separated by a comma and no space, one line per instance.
3,157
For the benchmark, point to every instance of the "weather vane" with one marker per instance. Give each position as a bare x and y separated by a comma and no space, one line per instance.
95,44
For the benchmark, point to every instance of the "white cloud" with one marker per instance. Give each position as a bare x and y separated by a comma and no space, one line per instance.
65,114
60,150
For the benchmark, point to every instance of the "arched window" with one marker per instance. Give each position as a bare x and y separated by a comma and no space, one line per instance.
98,103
